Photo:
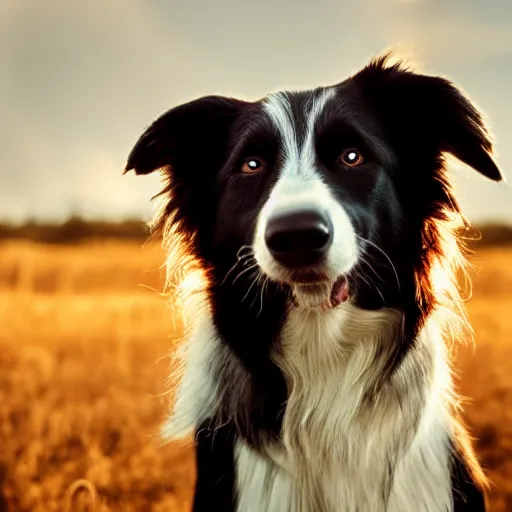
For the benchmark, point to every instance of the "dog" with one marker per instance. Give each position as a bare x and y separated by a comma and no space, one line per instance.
327,241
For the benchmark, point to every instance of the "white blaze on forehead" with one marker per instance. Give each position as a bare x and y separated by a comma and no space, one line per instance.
280,112
298,161
308,152
299,185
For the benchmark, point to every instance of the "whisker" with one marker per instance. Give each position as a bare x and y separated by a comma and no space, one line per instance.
250,287
248,248
372,269
372,282
385,255
240,274
257,281
241,259
262,291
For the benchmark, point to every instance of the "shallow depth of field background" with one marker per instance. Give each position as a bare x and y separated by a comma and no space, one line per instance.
84,337
83,367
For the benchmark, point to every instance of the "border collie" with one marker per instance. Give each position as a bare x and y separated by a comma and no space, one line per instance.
326,237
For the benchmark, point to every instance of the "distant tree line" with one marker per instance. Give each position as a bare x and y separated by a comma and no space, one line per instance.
74,230
78,230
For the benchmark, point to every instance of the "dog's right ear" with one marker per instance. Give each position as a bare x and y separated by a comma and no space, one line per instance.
189,137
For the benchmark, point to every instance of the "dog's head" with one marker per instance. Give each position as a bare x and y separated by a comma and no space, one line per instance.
331,195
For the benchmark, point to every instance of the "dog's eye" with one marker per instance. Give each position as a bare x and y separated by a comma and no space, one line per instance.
350,157
252,165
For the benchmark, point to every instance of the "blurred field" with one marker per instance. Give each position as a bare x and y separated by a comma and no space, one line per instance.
83,368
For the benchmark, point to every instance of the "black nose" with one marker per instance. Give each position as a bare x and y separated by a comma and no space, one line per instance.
299,237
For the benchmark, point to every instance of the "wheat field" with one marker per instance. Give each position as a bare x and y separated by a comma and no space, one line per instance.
83,368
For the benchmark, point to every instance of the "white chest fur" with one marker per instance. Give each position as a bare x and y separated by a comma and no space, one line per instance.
339,452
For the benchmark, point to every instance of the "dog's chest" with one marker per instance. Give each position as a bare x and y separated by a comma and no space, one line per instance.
337,455
421,483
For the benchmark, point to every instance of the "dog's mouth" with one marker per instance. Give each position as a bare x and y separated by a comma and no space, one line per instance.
340,291
320,293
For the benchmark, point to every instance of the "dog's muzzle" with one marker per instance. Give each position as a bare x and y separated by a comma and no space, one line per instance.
305,241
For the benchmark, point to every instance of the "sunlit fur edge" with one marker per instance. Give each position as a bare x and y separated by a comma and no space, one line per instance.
448,267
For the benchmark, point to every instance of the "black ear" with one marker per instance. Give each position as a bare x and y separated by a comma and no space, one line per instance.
190,143
186,135
432,108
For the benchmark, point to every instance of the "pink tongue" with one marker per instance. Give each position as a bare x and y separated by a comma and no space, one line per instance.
339,292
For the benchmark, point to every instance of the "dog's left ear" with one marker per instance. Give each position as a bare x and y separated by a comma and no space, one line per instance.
429,109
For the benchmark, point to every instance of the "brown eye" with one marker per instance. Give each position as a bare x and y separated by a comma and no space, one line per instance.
252,165
351,158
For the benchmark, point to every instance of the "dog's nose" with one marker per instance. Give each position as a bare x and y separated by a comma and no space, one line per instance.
299,237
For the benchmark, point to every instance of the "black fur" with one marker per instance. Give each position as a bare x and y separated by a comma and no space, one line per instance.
215,484
405,123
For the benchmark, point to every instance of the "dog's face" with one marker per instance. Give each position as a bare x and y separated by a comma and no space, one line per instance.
333,168
329,195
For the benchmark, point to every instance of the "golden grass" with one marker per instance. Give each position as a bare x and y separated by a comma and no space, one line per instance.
83,368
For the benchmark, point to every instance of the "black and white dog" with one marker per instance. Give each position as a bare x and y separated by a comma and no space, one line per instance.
316,373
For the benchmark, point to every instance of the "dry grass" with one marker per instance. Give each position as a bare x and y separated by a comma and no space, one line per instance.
83,366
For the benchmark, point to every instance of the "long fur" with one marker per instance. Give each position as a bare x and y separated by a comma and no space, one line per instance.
299,408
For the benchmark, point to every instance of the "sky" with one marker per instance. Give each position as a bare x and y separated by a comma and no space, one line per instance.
80,80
